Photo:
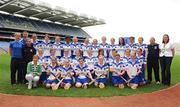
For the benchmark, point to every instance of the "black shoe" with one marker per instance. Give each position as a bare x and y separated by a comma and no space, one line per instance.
148,82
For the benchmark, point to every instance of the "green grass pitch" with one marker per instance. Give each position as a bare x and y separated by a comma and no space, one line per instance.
92,91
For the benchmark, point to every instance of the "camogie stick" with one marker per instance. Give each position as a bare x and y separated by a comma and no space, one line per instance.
132,73
114,70
55,87
95,79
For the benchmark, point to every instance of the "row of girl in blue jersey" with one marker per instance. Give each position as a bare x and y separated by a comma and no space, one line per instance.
80,75
120,48
82,71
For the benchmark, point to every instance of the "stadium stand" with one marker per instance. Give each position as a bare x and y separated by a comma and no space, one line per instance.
26,15
13,22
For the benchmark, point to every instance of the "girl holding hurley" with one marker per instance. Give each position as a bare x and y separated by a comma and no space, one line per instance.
101,70
82,73
118,72
67,73
133,69
53,72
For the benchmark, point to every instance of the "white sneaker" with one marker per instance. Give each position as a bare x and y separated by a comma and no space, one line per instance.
157,82
34,84
30,85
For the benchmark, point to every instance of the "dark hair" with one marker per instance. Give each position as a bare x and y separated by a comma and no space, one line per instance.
114,50
122,40
101,50
81,58
132,37
140,49
163,38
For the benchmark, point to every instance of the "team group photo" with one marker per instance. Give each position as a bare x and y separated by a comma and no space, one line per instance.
89,53
78,64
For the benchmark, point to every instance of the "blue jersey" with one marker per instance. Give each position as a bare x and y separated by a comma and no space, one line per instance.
133,67
67,46
141,59
35,44
118,67
90,61
75,61
54,71
84,49
125,59
95,50
23,41
74,47
132,47
101,70
110,60
66,72
58,48
111,47
120,50
105,47
46,47
16,47
82,71
144,48
61,60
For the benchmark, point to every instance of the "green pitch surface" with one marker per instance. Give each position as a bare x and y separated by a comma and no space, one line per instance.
92,91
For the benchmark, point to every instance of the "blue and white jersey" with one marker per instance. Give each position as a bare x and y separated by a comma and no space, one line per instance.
54,71
74,47
75,61
105,47
144,48
58,48
118,67
46,47
125,59
84,49
132,47
23,41
42,59
101,70
111,47
120,50
35,44
61,60
95,50
132,67
82,71
67,46
46,59
90,61
66,72
110,60
141,59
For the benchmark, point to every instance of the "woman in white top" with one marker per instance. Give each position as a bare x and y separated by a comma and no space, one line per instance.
167,51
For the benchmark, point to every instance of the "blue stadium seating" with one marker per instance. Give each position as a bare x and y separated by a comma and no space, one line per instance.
14,22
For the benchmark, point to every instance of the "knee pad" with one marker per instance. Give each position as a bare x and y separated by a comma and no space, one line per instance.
121,86
85,86
101,85
134,86
67,86
78,85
